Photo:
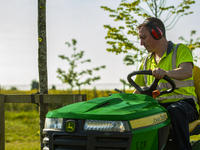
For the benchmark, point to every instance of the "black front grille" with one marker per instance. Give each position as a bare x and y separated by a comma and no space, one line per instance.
66,142
97,141
87,140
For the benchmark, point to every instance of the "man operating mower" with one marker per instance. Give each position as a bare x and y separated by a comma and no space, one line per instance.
175,61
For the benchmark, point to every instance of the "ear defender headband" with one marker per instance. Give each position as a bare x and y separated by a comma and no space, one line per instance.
155,31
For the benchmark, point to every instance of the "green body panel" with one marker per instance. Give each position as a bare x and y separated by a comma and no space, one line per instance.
147,138
115,107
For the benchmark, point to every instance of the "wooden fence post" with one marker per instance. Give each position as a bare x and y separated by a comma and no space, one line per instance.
42,62
2,123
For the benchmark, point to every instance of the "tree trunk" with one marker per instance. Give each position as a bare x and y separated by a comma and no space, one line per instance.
42,62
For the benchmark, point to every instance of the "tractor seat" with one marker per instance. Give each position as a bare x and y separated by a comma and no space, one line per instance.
194,127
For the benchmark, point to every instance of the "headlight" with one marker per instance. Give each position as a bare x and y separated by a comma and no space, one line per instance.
53,123
45,148
148,121
106,126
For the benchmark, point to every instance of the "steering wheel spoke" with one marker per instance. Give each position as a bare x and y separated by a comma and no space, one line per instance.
154,85
149,90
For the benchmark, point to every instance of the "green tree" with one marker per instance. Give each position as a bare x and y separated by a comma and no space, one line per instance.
76,77
123,37
1,87
193,43
124,83
53,87
34,85
13,88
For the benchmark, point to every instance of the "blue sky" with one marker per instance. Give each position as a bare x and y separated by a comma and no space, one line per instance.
66,19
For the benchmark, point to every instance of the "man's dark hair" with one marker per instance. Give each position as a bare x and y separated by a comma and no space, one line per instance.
153,21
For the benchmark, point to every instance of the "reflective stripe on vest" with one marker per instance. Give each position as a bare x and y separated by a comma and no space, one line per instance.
177,97
187,83
174,57
179,83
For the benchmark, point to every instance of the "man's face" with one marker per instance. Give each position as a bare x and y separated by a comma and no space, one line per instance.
146,39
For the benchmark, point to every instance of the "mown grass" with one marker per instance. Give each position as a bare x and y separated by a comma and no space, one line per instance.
22,130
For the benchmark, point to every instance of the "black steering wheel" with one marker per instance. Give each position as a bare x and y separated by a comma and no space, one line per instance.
149,90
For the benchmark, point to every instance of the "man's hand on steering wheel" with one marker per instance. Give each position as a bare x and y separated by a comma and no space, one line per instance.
159,73
152,88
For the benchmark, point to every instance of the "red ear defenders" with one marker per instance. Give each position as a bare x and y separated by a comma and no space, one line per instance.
155,31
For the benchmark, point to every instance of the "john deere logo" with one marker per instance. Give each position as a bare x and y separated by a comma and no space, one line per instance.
70,126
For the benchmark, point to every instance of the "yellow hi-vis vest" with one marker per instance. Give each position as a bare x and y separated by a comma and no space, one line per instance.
171,59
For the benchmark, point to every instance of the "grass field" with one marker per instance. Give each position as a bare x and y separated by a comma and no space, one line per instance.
22,130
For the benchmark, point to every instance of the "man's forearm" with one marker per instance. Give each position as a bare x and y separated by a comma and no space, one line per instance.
183,72
179,74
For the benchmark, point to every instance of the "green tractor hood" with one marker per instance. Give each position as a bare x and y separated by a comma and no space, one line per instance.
115,107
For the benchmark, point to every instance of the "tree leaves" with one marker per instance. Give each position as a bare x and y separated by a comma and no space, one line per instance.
120,37
74,76
192,43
